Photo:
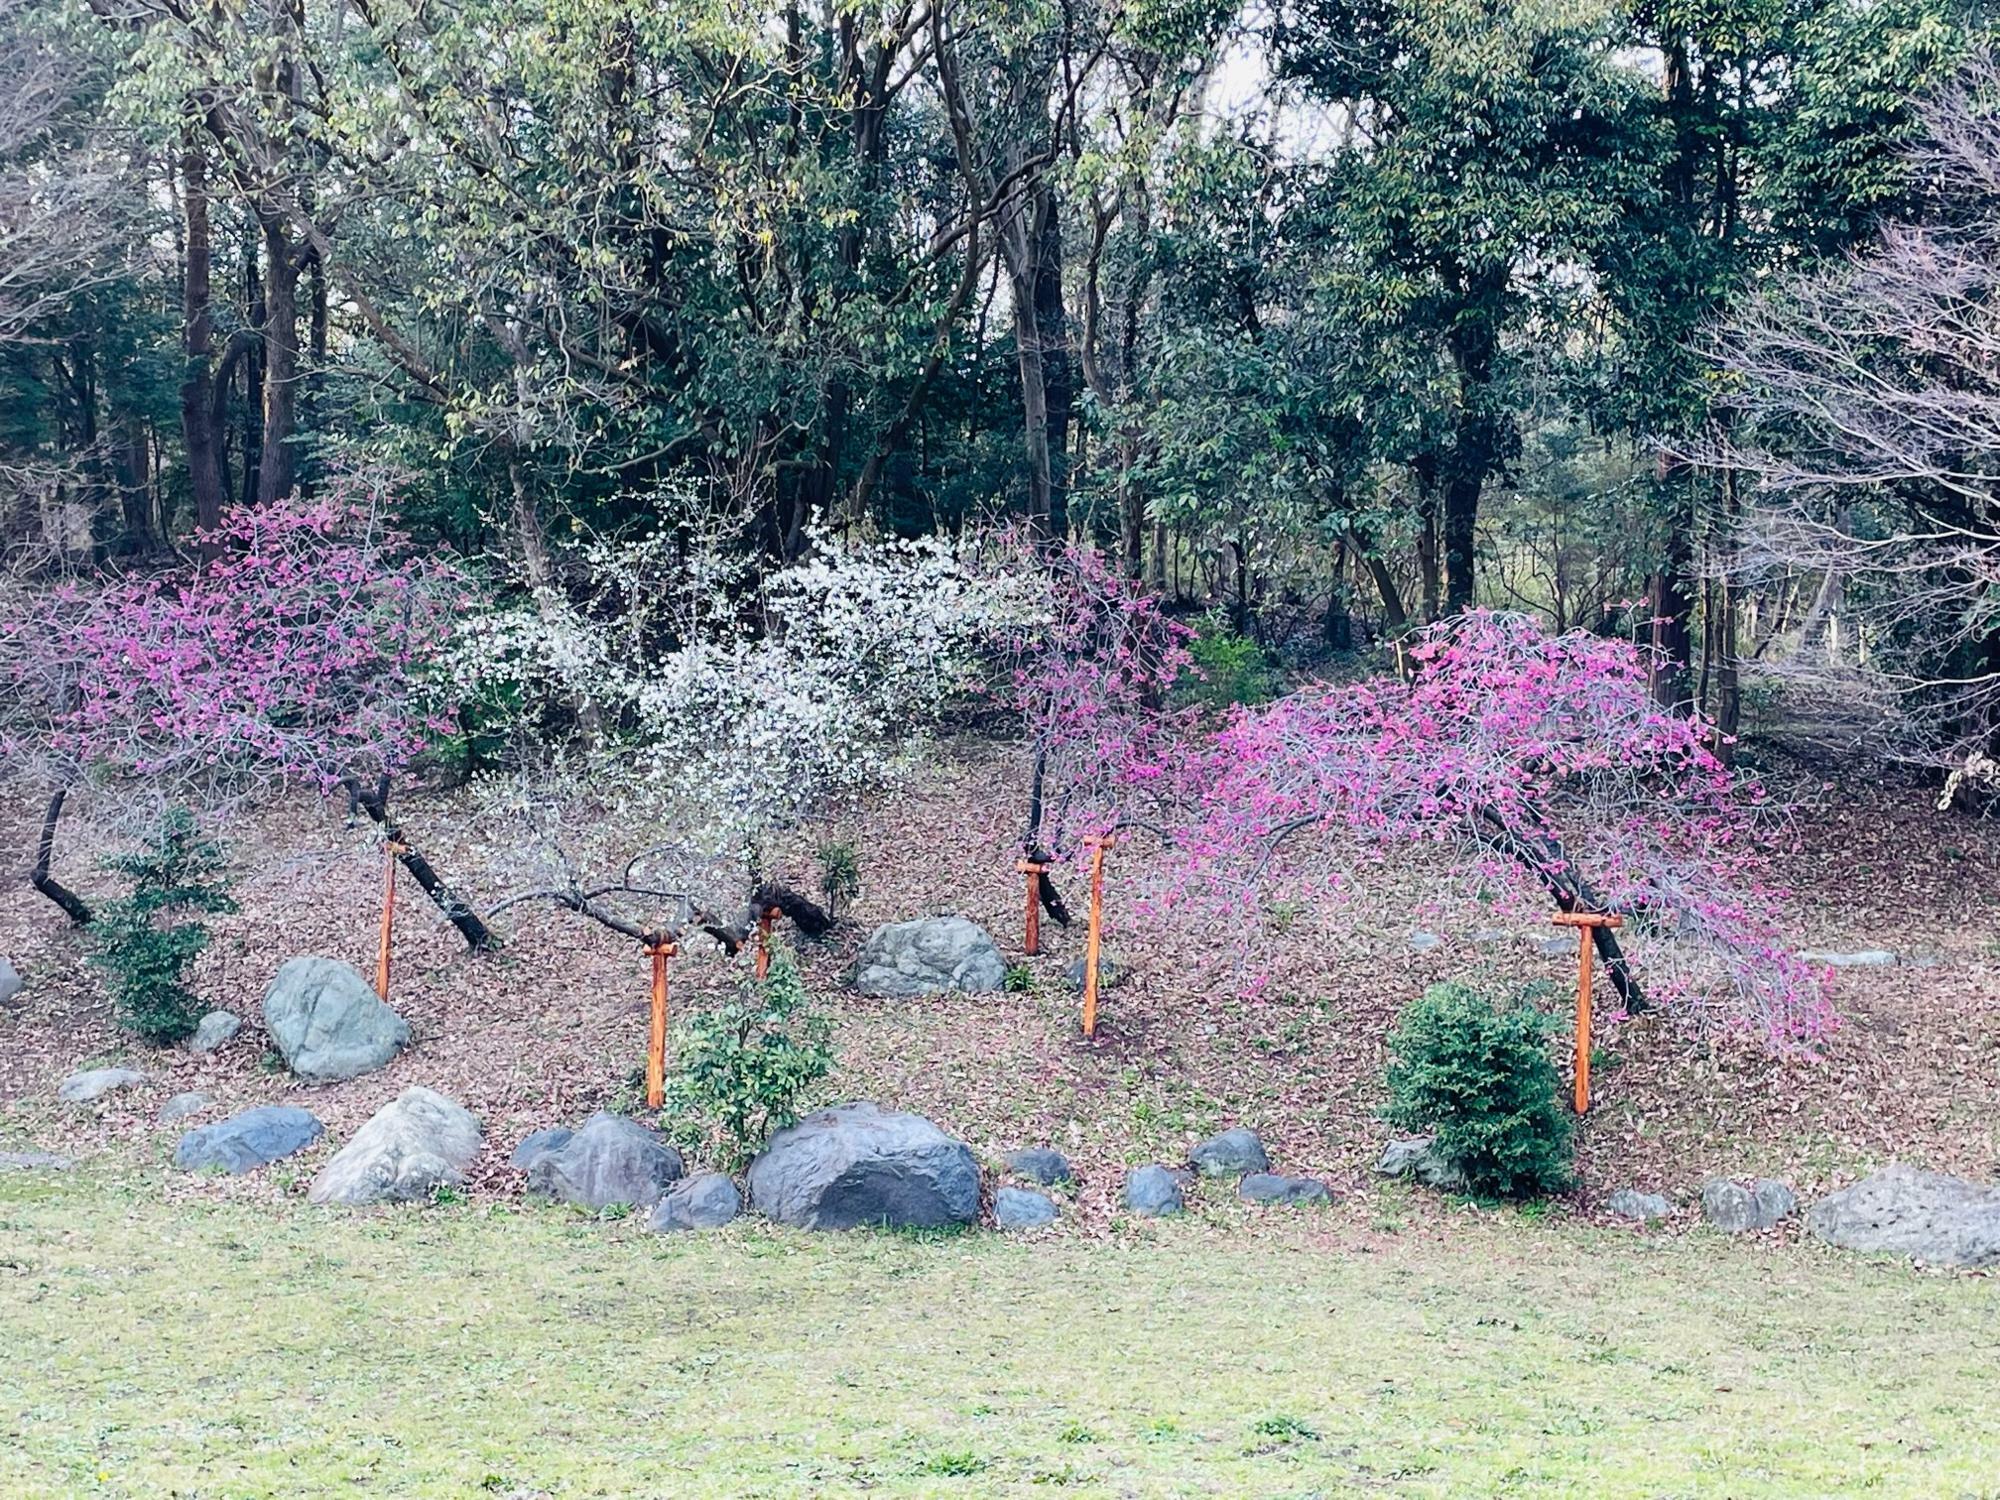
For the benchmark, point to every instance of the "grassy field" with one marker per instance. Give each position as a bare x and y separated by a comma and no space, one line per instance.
231,1350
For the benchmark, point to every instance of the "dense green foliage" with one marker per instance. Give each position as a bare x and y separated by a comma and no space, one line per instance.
1231,666
145,943
745,1068
1473,1072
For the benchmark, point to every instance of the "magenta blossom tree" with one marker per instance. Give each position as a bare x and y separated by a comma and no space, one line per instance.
295,654
1544,764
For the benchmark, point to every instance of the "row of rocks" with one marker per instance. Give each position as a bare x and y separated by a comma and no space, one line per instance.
1157,1191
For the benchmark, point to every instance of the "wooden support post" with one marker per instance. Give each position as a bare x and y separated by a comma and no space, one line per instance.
659,950
1096,844
392,851
1032,943
764,940
1586,924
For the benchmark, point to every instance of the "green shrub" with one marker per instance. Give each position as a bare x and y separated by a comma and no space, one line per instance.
138,945
1476,1075
741,1071
1233,668
839,874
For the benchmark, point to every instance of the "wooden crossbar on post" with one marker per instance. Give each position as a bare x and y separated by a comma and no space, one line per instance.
1096,844
1032,940
659,950
392,851
1586,924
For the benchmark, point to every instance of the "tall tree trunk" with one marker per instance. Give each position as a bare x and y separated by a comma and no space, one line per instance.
1058,369
1475,452
1673,595
279,461
198,434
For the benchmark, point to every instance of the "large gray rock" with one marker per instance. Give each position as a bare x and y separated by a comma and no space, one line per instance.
1940,1220
535,1142
1736,1209
93,1084
1230,1154
418,1142
328,1023
10,982
1153,1192
927,956
249,1140
185,1107
856,1165
1630,1203
1415,1158
610,1160
1272,1187
1040,1164
1022,1208
1864,958
213,1030
707,1200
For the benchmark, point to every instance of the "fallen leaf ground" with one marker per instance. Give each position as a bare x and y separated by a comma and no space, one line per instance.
552,1026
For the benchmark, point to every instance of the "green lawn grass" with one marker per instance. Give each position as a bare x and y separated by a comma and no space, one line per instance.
154,1349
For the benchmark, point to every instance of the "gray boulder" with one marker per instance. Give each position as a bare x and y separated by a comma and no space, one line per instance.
1736,1209
1630,1203
928,956
1272,1187
1153,1192
1865,958
1416,1159
93,1084
1022,1208
184,1107
213,1030
249,1140
1425,942
1040,1164
857,1164
609,1160
10,981
328,1023
707,1200
1931,1217
535,1142
34,1161
418,1142
1230,1154
1110,970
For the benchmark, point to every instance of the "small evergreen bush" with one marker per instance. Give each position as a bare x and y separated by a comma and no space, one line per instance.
1475,1074
1232,667
138,945
839,874
742,1070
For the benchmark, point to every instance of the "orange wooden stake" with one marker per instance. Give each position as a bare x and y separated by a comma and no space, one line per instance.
1032,944
656,1042
390,851
764,940
1585,923
1096,844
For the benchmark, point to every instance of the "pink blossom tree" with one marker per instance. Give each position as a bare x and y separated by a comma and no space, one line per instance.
1544,764
295,654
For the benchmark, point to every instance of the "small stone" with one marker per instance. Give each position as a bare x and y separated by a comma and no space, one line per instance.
1022,1208
1629,1203
610,1160
1110,970
90,1086
1556,947
213,1030
249,1140
1230,1154
1273,1187
1492,937
1735,1209
1040,1164
10,981
1416,1158
184,1107
1153,1192
533,1144
707,1200
1425,942
328,1023
34,1161
1864,958
417,1143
